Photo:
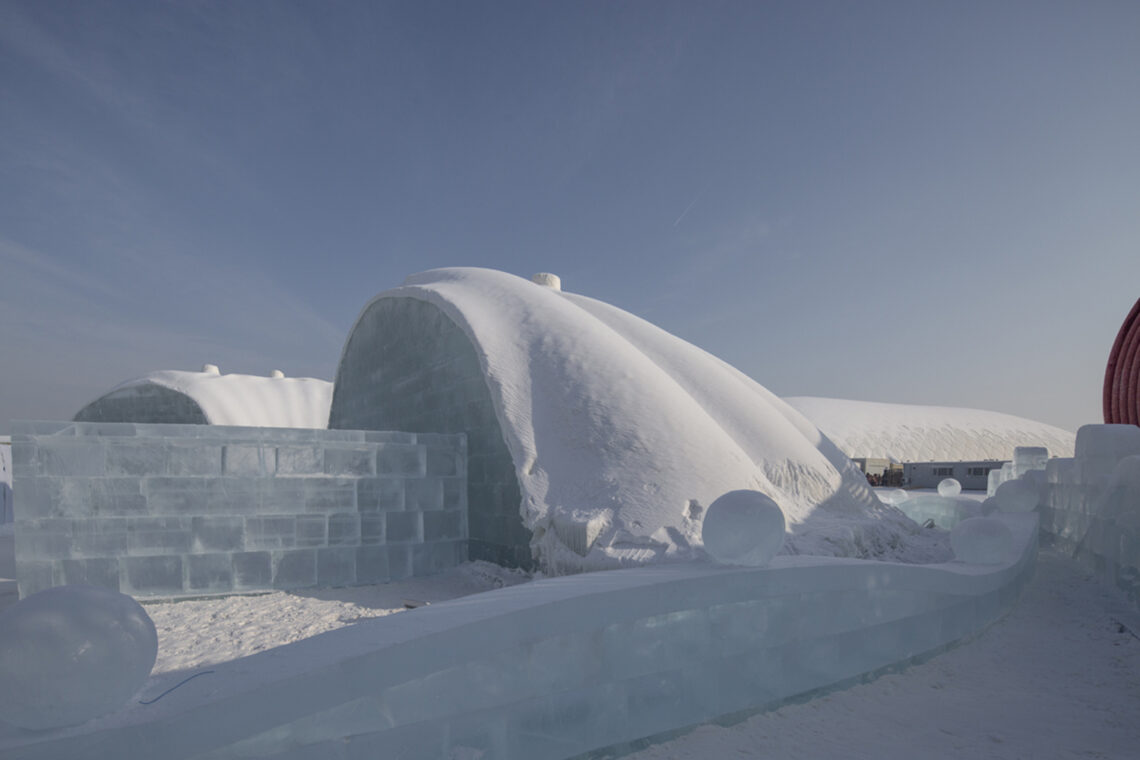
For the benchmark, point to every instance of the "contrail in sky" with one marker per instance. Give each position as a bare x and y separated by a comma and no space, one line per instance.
696,198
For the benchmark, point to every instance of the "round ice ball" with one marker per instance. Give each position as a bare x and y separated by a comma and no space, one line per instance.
949,487
982,541
894,497
1016,496
72,653
743,528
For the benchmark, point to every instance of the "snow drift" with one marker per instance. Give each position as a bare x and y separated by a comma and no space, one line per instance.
620,433
911,433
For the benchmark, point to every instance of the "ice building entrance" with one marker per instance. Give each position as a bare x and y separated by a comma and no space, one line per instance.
408,366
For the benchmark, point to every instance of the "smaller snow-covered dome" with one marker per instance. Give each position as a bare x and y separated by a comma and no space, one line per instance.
210,398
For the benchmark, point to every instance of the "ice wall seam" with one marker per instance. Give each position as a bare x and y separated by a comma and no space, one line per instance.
177,510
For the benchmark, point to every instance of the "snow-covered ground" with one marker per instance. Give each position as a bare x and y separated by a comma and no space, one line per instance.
201,632
1059,677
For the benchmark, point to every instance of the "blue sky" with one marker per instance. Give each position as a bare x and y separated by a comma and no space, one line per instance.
929,203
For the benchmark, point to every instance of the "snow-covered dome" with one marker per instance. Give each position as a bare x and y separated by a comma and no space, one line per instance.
593,436
909,433
211,398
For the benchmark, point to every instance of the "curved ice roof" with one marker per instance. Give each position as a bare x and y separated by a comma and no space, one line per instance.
913,433
215,399
623,432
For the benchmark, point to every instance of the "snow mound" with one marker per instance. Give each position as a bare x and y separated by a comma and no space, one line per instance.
910,433
621,434
208,397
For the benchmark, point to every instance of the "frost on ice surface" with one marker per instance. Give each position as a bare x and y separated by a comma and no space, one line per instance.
743,528
70,654
949,487
1016,496
982,541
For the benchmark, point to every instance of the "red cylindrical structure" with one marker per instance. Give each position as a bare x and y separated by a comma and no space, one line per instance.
1121,397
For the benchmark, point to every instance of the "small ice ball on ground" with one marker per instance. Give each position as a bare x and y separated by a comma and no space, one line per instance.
211,369
72,653
894,497
743,528
982,541
949,487
1016,496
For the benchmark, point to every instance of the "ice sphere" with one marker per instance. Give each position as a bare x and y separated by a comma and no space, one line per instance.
1016,496
982,541
72,653
949,487
743,528
894,497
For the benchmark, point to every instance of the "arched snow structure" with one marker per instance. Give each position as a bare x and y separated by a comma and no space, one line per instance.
917,433
595,439
208,398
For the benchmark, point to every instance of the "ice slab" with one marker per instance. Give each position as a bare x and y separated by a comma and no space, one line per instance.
1016,496
982,541
72,653
743,528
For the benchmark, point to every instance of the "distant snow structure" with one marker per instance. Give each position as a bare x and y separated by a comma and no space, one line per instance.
211,398
595,439
912,433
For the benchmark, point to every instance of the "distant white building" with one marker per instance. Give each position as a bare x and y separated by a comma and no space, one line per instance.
973,476
934,434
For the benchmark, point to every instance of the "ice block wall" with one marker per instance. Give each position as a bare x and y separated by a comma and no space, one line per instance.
175,510
1090,504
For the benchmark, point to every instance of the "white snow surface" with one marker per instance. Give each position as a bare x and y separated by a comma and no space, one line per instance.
915,433
624,433
246,400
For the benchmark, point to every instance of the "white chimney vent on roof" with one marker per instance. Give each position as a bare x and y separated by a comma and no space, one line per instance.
211,369
547,279
277,373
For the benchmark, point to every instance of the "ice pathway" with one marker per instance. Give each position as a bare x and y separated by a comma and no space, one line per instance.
1056,678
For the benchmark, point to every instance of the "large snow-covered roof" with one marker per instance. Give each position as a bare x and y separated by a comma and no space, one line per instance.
911,433
624,432
215,399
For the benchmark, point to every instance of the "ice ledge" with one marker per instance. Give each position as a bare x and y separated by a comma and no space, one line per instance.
563,666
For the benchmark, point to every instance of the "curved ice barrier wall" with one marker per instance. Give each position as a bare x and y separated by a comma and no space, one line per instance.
563,666
1090,505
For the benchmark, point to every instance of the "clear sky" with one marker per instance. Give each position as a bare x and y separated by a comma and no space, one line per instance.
921,202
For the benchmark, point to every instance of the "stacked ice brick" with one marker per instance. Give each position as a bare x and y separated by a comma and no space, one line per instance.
175,510
1091,503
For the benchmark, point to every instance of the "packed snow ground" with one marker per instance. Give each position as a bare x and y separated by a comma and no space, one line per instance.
1059,677
197,633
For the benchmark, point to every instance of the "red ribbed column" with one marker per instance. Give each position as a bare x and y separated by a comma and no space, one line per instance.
1121,397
